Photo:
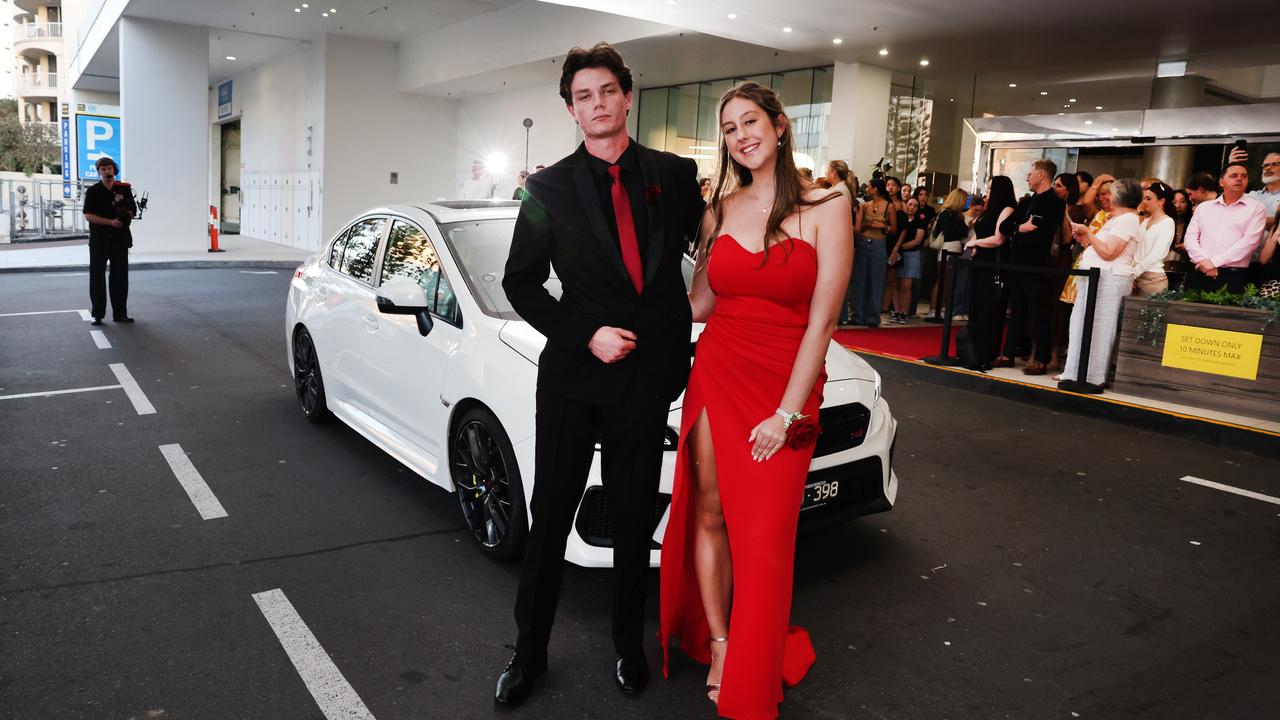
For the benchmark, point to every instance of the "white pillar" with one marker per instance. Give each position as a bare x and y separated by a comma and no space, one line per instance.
859,116
164,90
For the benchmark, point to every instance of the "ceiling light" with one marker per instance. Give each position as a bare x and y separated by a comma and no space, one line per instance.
324,14
1176,68
1071,100
304,5
1088,122
786,29
1013,84
1115,129
951,99
837,41
924,62
231,58
1097,107
733,16
1062,113
1066,106
297,9
332,11
884,51
1044,92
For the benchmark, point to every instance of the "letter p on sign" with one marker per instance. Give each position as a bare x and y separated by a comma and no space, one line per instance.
97,131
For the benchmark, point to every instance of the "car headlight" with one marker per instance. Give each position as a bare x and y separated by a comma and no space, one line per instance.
877,385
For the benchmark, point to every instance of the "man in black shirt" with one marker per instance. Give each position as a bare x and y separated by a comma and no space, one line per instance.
108,207
1031,229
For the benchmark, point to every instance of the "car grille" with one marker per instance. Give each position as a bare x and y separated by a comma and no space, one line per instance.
843,427
595,524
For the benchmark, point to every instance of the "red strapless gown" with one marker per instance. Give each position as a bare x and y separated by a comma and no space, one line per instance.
740,372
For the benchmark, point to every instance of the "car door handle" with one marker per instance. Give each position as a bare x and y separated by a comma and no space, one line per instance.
369,321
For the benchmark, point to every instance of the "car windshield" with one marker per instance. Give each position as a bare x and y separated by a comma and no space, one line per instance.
481,248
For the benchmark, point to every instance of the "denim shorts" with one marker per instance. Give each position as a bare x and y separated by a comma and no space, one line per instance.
910,264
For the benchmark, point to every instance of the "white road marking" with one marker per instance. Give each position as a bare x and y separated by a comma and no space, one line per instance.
42,312
85,316
259,272
133,390
325,682
71,274
197,489
100,340
59,392
1234,490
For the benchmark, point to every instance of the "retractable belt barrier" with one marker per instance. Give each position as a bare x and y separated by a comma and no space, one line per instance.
947,274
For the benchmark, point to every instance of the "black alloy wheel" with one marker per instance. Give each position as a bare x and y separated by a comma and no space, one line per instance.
487,482
307,380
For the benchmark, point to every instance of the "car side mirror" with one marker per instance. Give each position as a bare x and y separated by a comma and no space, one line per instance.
402,296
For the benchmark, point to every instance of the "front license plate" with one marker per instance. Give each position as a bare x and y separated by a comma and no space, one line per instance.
820,493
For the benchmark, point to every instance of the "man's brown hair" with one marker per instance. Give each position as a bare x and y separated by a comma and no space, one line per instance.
601,55
1049,167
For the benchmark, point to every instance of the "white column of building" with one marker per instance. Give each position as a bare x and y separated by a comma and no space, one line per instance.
164,91
859,116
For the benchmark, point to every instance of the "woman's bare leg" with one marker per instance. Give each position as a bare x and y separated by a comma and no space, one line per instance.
711,562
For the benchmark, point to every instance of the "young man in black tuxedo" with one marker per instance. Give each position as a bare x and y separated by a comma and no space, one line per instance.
613,219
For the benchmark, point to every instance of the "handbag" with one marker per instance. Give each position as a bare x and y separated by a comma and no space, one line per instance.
937,239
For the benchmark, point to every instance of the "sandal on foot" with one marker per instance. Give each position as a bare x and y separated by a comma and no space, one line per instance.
713,689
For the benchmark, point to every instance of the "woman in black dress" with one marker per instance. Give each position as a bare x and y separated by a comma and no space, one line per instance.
986,297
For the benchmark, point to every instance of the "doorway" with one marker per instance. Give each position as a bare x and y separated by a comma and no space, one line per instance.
229,212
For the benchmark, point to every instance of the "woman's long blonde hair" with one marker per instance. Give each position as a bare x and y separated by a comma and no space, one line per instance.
955,201
788,188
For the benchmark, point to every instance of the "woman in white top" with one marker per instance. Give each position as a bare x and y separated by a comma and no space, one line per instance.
1154,240
1112,251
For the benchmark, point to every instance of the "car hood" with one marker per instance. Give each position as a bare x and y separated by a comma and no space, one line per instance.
842,364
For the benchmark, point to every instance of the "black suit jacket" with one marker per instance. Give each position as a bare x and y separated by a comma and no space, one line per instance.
562,225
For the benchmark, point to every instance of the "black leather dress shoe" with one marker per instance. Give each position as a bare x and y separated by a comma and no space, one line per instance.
96,321
123,319
516,682
632,673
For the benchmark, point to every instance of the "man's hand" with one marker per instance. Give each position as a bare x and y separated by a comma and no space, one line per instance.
115,223
1207,268
1238,154
611,344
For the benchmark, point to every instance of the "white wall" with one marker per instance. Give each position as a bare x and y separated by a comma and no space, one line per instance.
371,129
493,123
859,116
165,129
281,188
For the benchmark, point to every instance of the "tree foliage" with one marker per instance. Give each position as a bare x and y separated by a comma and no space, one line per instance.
26,148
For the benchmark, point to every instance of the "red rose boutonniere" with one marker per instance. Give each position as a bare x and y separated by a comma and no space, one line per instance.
803,434
651,193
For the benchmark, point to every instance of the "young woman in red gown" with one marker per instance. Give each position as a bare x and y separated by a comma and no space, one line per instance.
774,258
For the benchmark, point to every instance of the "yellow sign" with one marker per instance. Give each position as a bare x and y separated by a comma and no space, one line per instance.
1221,352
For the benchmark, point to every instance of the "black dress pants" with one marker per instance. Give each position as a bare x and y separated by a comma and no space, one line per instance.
987,304
115,252
1234,278
631,437
1029,298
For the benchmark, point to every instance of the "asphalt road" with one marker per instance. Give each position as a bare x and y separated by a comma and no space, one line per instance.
1038,564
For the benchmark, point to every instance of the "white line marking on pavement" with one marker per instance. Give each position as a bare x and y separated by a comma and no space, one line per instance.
330,689
259,272
100,340
1235,490
197,489
133,390
58,392
42,312
65,274
84,315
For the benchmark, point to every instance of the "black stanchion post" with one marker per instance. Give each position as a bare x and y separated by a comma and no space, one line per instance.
942,287
1081,384
944,354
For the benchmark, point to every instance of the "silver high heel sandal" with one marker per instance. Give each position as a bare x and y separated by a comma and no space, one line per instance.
713,689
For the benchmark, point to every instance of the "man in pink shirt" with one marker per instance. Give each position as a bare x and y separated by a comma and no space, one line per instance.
1223,233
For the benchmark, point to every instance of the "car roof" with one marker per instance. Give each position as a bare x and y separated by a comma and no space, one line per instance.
448,211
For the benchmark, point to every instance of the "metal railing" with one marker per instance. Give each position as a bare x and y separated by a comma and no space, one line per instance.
38,81
37,31
35,210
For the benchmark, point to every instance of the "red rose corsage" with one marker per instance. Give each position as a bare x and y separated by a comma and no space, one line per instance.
803,433
651,193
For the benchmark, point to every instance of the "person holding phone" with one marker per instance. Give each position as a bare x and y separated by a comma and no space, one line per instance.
1223,234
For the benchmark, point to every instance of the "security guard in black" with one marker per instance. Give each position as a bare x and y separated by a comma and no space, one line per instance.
108,210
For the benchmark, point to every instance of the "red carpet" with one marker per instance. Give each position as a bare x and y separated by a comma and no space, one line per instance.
908,343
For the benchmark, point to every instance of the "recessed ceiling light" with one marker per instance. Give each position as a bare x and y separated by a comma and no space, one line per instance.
231,57
1044,92
733,16
324,14
297,9
1088,122
1071,100
1097,107
1013,84
1115,129
786,29
332,11
304,5
1062,113
884,51
924,62
1066,106
837,41
951,99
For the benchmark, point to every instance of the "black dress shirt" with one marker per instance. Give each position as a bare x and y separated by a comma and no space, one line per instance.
1045,210
633,182
104,203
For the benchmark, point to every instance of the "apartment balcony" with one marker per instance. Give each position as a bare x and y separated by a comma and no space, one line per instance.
38,85
32,6
31,33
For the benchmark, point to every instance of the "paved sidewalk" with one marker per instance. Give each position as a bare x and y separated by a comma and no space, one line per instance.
74,255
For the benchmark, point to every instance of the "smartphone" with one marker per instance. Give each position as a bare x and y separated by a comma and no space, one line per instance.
1242,144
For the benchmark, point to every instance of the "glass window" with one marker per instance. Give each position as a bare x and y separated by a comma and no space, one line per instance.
411,255
335,253
362,249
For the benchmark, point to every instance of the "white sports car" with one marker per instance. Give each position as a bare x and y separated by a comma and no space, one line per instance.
400,328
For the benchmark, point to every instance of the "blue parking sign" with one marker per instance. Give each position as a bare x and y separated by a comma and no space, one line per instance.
97,136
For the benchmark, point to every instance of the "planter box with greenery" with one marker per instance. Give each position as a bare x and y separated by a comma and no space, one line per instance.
1143,368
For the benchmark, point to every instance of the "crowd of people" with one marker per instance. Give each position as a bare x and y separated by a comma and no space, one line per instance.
1144,236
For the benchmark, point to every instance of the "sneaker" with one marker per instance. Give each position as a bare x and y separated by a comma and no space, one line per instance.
900,318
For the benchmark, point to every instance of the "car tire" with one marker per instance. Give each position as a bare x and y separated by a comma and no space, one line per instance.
307,380
486,481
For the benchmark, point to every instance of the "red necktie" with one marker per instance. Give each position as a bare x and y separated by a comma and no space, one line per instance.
626,229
